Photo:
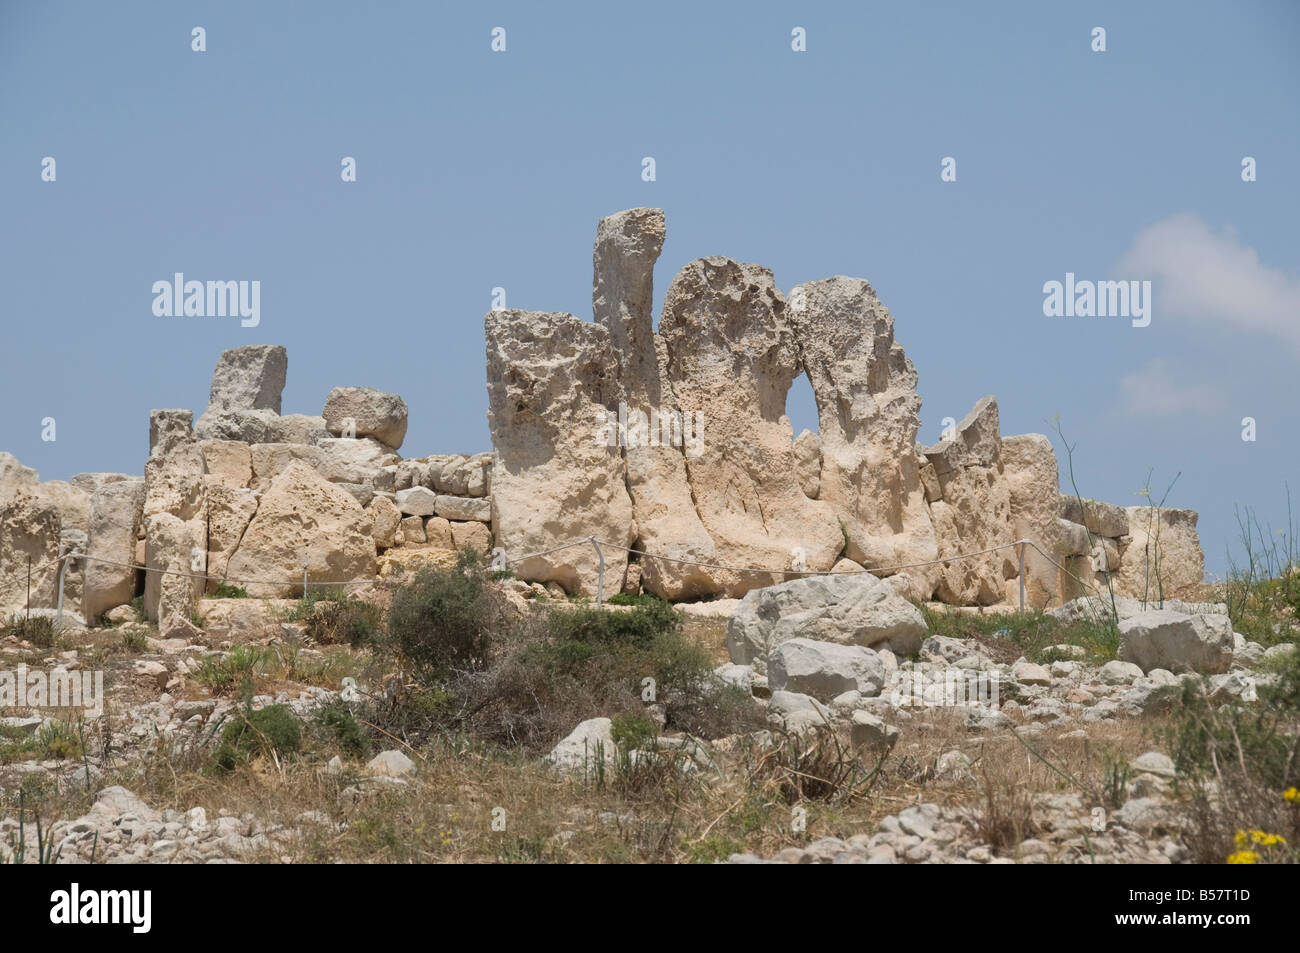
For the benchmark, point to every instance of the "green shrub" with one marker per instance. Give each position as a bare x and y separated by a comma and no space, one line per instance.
228,591
335,617
271,729
1237,759
58,739
341,725
1032,634
632,732
16,745
709,709
623,599
38,630
134,640
445,620
649,618
222,674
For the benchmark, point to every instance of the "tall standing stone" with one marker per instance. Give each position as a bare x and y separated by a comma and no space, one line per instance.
552,380
731,358
1029,465
622,298
29,536
173,577
627,246
975,511
116,512
865,388
173,474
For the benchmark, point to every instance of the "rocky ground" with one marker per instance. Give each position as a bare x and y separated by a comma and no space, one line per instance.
1060,759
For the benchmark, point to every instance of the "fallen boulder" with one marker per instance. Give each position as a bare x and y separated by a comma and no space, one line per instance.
824,669
845,609
1162,638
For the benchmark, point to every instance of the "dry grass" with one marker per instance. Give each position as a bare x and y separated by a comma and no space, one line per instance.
652,810
656,815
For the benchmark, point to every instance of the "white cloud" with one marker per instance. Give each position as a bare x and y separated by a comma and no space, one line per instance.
1213,278
1164,390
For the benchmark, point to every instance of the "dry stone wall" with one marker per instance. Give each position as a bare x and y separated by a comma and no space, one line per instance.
670,444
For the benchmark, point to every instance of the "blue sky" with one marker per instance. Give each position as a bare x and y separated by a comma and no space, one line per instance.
479,169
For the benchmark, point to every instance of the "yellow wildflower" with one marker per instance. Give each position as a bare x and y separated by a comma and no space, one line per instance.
1243,857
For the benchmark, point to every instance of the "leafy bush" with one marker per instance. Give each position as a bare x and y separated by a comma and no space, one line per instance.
271,729
334,617
445,620
341,725
624,599
599,627
480,671
1236,762
228,591
708,708
632,731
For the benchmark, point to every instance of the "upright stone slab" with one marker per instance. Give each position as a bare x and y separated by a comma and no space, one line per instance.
1161,557
176,559
1029,466
975,512
627,246
173,474
554,480
865,388
29,536
116,512
244,401
731,357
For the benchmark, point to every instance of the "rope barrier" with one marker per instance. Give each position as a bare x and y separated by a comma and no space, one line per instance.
590,540
813,572
296,581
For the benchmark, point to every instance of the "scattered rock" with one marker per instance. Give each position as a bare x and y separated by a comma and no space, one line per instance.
1166,639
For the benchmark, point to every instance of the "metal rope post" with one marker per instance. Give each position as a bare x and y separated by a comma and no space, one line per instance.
600,583
63,568
1020,548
